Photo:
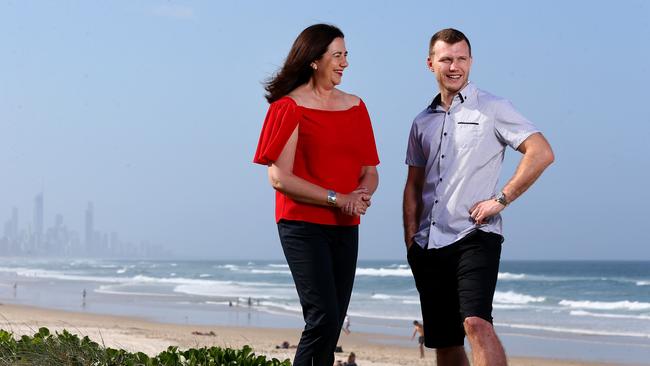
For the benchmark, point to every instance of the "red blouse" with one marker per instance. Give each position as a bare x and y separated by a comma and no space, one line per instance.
331,149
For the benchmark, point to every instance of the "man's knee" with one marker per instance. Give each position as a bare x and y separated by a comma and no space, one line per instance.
475,326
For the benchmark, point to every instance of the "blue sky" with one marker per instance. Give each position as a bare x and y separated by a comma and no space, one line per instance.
152,110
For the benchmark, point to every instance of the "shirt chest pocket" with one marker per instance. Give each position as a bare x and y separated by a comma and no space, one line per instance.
467,134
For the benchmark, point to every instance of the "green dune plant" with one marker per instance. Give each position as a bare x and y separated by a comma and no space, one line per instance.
67,349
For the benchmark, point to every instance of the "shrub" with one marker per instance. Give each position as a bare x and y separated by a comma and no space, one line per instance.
66,349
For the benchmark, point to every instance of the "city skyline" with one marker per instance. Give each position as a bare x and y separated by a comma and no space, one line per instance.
59,240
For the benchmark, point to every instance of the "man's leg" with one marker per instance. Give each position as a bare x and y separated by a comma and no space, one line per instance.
434,271
486,347
478,269
451,356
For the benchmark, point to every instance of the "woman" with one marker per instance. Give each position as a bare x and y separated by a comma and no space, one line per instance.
318,144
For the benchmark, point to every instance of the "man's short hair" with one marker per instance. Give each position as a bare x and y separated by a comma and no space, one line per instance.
451,36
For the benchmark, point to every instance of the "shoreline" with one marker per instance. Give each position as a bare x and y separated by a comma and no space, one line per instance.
152,337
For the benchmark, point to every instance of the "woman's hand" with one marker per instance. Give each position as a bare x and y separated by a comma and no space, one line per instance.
355,203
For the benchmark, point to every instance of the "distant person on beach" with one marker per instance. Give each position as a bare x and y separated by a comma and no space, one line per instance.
346,324
452,226
318,144
83,297
419,330
285,345
352,360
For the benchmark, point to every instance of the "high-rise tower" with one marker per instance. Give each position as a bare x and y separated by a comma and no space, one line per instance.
90,229
38,220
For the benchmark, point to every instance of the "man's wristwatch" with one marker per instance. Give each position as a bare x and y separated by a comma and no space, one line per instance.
501,198
331,198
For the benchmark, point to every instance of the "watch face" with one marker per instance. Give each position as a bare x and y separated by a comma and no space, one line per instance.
331,198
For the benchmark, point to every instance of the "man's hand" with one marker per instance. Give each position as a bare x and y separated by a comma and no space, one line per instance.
482,211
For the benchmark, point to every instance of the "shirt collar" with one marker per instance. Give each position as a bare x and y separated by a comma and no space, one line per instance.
467,91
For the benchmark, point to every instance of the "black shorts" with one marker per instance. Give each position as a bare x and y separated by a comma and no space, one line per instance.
455,282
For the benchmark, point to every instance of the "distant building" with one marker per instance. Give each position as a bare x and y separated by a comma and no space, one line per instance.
38,222
90,230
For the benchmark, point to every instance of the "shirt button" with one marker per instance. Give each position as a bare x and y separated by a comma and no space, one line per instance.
443,156
440,180
436,201
433,223
445,133
448,113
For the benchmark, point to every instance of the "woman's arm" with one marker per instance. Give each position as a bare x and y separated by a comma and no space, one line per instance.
369,179
282,179
368,182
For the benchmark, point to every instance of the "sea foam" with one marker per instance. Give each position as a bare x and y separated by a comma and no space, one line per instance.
607,315
606,305
511,276
384,272
515,298
580,331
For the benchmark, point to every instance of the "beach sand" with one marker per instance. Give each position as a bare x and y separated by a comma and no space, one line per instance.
134,334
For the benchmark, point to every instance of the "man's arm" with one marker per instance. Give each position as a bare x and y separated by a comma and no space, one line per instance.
538,155
412,206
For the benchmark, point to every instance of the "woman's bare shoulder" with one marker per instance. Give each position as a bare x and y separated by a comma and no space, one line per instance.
299,95
350,100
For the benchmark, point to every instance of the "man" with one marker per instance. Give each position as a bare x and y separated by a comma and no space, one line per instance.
419,330
452,226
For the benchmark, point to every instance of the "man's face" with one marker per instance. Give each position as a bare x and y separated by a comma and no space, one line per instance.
451,64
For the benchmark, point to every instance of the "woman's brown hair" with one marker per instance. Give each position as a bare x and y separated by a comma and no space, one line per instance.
310,45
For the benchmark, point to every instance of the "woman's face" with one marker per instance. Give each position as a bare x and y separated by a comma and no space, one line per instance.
329,68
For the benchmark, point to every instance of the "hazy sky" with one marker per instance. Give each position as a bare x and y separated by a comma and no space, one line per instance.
152,110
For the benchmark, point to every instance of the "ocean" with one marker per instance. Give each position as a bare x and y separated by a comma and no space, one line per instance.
583,310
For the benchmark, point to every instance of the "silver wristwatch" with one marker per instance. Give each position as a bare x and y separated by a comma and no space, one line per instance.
501,198
331,198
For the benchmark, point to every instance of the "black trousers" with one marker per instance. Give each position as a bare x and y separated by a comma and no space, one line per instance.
323,260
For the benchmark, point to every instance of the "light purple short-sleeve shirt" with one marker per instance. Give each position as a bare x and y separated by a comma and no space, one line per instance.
462,152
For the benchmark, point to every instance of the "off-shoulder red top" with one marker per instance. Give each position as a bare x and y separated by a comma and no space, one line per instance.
331,149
